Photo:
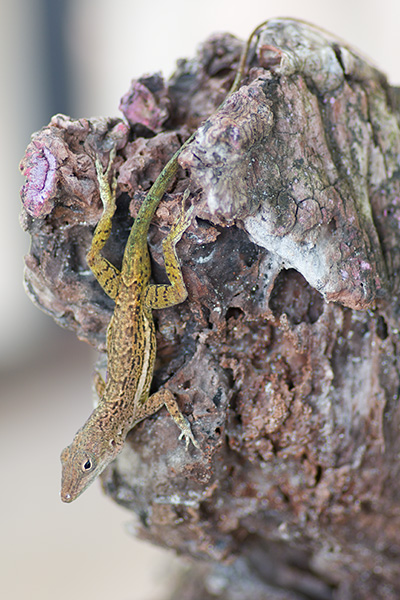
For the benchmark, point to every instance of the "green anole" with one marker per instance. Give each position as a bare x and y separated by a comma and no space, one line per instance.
124,398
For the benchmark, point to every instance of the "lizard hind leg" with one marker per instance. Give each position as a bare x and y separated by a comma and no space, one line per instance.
165,295
106,274
181,224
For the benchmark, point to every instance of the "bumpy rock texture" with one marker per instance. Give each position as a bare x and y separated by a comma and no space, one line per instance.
285,354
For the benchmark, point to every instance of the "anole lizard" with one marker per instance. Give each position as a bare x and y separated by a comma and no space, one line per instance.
131,346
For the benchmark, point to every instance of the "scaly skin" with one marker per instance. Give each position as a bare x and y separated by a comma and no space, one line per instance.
131,342
131,345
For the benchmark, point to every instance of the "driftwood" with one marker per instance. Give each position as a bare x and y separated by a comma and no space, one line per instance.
285,354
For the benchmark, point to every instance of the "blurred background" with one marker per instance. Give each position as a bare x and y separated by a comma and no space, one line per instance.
78,57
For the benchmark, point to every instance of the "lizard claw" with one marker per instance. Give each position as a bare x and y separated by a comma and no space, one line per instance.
103,175
186,433
183,221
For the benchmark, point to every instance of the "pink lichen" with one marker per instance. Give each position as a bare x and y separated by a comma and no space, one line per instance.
40,168
140,107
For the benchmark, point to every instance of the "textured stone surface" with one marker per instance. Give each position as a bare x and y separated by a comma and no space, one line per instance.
293,398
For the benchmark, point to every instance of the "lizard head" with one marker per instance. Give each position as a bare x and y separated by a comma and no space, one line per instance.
84,460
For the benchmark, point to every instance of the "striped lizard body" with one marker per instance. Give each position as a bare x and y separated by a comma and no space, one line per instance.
131,343
124,399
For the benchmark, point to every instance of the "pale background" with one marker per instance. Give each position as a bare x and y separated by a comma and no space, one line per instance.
81,551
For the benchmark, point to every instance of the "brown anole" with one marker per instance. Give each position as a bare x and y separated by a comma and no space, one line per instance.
124,398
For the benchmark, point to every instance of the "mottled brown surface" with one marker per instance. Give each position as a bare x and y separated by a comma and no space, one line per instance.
293,399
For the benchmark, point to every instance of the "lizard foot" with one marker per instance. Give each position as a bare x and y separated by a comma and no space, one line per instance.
182,222
186,433
107,194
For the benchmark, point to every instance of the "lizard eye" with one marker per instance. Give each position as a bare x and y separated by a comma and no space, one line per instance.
87,465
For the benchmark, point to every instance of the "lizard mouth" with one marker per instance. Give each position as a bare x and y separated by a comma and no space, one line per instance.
66,497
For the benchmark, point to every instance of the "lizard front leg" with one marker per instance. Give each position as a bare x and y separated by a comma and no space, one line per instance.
165,295
166,398
106,274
